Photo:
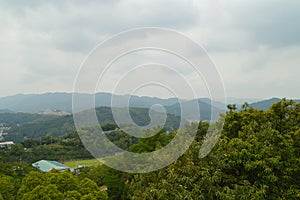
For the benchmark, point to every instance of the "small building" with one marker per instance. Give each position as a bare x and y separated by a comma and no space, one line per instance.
7,144
48,165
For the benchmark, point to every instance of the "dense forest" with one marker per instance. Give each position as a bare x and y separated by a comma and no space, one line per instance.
35,126
256,157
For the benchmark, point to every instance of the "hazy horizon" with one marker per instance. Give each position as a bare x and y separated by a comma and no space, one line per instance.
152,96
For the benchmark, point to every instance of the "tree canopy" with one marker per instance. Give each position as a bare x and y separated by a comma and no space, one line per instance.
257,157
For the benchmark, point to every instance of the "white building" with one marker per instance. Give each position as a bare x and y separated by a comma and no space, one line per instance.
7,144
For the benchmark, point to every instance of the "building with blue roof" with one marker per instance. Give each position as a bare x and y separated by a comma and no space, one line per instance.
48,165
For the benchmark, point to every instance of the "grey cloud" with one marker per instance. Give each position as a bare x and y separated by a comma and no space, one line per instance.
78,25
271,23
47,40
247,25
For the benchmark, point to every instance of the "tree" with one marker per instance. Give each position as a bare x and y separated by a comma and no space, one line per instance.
73,195
231,107
58,185
159,140
257,157
90,190
6,188
48,192
113,179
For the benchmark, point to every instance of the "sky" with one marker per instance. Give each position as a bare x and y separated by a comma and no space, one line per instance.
255,45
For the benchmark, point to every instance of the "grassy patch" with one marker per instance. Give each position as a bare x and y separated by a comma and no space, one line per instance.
90,162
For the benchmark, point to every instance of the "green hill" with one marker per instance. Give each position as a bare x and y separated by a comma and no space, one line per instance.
266,104
34,126
36,103
205,107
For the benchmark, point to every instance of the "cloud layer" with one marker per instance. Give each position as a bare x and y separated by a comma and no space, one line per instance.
255,44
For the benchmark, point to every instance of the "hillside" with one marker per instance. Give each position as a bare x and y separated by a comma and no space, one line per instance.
205,109
266,104
35,126
36,103
39,103
5,111
17,119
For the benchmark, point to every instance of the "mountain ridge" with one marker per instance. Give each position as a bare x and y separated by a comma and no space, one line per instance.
267,103
38,103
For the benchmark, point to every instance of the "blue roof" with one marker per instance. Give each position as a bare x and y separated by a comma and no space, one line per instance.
48,165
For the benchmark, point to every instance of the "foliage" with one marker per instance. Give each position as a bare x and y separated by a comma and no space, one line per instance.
13,119
58,185
114,180
6,188
34,126
257,157
159,140
68,147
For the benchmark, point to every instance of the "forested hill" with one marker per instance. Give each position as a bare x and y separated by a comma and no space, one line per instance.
35,103
38,103
266,104
10,119
5,111
34,126
205,107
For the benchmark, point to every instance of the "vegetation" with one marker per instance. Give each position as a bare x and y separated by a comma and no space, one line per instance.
17,119
257,157
55,185
34,126
64,148
85,162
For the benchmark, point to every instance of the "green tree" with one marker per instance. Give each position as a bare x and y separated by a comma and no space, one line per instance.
90,190
257,157
73,195
159,140
6,188
58,185
48,192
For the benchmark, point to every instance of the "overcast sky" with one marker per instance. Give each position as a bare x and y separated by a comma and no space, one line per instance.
254,44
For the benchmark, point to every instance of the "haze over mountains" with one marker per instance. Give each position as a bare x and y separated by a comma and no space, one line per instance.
15,109
37,103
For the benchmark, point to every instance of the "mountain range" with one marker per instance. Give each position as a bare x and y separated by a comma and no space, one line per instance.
24,113
38,103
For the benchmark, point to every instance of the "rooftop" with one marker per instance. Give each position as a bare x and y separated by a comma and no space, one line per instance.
48,165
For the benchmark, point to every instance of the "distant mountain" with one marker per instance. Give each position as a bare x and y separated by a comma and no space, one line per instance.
205,107
40,103
266,104
5,111
36,103
241,101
